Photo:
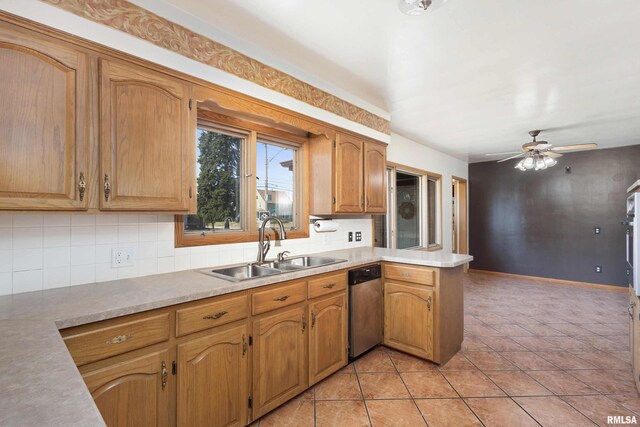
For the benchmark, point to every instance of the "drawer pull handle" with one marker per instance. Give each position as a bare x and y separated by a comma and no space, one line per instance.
244,345
164,374
215,316
429,303
313,319
283,298
119,339
329,286
405,274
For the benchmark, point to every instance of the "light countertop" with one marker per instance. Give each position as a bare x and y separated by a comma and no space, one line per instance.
41,384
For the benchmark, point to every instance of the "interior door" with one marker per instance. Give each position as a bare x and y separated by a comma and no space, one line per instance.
43,116
144,140
349,175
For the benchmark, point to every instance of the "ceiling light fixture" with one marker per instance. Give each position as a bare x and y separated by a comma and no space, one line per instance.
419,7
535,160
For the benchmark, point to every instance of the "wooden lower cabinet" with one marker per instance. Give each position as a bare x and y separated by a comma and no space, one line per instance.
408,318
213,385
133,392
279,358
327,336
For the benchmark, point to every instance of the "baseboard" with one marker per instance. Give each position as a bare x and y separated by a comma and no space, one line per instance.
554,281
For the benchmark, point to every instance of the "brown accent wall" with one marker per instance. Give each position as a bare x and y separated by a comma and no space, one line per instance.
541,223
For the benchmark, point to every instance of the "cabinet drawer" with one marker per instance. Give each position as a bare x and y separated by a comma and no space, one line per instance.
108,341
214,313
327,284
407,273
279,296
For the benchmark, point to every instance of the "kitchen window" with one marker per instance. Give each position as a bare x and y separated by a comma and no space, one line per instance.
244,174
413,219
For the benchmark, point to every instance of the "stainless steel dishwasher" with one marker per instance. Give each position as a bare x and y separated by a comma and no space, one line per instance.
366,315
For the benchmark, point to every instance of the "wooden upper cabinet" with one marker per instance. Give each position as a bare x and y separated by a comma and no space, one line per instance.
348,175
43,117
375,172
134,392
349,170
327,336
213,380
145,146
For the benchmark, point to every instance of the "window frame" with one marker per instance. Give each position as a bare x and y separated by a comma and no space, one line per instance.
254,131
391,220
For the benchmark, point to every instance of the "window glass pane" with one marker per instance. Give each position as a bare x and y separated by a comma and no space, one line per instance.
380,231
408,210
219,183
432,215
275,182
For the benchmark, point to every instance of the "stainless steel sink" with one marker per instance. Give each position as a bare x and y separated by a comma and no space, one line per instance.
310,261
242,272
239,273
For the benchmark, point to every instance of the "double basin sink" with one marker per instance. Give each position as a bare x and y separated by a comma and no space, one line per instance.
254,270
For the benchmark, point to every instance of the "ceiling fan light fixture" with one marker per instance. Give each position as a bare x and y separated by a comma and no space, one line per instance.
540,165
528,163
549,161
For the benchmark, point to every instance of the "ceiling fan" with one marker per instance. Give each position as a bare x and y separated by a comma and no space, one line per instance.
539,155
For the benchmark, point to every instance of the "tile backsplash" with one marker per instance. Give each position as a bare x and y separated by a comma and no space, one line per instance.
44,251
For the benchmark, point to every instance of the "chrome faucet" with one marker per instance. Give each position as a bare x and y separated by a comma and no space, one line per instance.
263,248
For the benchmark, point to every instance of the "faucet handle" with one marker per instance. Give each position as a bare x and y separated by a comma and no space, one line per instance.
283,254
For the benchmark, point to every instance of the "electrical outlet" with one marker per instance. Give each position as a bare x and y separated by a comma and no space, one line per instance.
597,230
350,238
358,236
123,257
598,269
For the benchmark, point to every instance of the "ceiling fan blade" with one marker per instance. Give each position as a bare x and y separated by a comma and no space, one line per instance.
512,157
543,146
503,154
552,154
574,147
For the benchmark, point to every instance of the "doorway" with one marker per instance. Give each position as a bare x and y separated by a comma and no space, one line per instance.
459,220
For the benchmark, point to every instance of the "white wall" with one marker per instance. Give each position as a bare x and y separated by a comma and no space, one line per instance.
45,251
410,153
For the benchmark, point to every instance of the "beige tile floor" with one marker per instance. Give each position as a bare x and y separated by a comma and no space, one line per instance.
534,354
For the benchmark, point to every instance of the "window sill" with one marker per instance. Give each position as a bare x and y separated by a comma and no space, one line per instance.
188,240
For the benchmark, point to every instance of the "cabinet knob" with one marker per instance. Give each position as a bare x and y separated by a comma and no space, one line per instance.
304,322
244,345
313,319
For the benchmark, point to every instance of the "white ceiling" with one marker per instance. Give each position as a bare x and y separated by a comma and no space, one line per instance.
469,78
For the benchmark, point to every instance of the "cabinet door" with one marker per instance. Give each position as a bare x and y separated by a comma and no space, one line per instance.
213,381
279,359
408,318
134,392
327,336
43,116
348,174
145,152
375,172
